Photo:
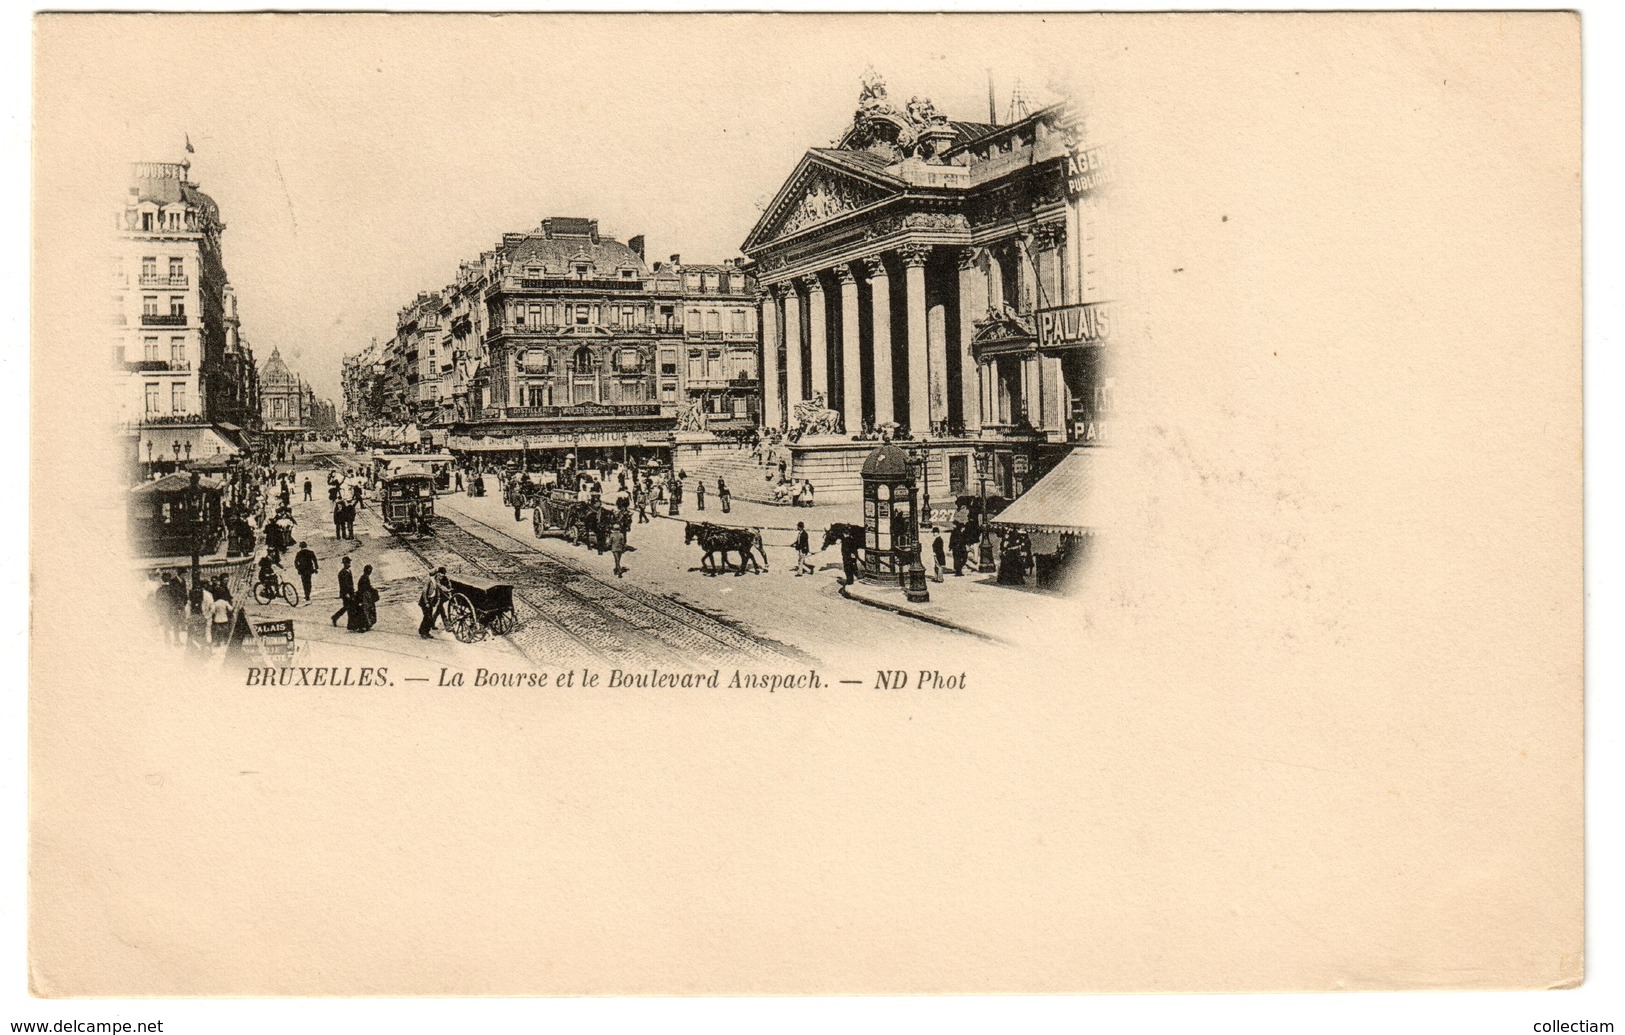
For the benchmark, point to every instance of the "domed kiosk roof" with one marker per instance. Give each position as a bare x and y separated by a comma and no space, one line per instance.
887,462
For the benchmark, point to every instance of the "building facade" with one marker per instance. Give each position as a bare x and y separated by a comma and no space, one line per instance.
711,372
178,348
284,399
943,281
565,337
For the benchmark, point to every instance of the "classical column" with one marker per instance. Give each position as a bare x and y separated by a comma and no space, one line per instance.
880,310
936,342
995,276
851,360
792,353
772,415
818,335
919,363
972,307
1026,248
1070,264
1048,265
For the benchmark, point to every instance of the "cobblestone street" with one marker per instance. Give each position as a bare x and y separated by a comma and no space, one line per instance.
663,612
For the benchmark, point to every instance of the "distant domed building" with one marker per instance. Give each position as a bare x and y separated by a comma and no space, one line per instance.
284,402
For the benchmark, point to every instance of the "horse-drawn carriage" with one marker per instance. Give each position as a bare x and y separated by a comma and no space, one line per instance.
479,607
579,520
522,495
407,502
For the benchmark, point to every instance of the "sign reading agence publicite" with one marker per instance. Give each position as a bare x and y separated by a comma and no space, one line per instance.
1087,170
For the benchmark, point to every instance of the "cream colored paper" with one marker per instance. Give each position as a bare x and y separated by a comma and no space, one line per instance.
1315,723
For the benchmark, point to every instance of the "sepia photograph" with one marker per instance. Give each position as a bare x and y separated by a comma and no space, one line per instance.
751,504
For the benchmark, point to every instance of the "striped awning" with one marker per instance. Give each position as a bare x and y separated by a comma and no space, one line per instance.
1063,500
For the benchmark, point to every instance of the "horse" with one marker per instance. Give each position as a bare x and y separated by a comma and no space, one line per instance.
851,538
587,525
718,540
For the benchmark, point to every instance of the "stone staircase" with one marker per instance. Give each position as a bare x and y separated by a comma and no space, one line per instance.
833,467
746,478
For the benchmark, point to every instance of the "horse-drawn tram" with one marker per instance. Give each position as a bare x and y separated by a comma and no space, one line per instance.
479,607
407,502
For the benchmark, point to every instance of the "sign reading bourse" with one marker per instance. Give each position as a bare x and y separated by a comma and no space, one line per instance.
1087,324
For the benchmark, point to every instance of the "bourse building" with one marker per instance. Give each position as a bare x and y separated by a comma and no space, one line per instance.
942,282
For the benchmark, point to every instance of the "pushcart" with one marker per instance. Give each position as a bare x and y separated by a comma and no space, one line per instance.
478,606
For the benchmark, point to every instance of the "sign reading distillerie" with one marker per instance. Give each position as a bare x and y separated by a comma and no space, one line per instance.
1087,324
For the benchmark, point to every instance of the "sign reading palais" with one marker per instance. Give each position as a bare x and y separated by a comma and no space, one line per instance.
1086,324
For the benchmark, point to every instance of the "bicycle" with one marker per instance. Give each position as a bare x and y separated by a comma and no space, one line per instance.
264,594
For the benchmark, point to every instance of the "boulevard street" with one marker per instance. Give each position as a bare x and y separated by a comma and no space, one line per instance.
663,612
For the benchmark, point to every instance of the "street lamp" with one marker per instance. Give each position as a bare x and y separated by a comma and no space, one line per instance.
177,448
195,500
921,459
984,538
189,451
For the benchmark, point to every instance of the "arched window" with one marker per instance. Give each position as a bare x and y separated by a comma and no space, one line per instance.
582,361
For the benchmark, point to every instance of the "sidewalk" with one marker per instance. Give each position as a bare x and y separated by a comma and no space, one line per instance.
973,603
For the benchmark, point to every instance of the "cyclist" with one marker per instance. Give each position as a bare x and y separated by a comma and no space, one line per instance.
268,578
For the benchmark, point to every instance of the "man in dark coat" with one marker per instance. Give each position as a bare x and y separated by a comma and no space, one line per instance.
304,562
432,601
346,591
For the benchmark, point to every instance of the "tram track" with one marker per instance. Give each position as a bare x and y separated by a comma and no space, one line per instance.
566,612
689,634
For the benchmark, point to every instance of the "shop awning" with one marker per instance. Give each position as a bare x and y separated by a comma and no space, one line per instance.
174,484
205,440
1063,500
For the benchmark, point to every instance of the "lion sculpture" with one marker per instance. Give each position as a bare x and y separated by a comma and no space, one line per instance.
814,417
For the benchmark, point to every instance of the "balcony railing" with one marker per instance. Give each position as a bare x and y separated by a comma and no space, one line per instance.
741,336
151,366
165,282
166,420
570,284
163,319
739,382
698,335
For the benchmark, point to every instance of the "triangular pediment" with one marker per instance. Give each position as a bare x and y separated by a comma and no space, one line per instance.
1003,330
821,190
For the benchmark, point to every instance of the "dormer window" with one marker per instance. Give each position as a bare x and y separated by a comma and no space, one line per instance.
628,274
581,271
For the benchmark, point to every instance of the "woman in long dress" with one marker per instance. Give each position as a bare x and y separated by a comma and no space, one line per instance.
364,613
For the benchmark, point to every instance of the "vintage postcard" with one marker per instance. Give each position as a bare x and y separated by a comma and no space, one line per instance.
772,504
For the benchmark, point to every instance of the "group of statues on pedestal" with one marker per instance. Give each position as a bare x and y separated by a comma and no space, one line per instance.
814,417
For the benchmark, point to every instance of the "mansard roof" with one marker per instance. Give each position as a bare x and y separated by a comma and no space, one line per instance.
560,253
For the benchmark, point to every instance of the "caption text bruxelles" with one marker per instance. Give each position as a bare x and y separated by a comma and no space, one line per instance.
612,679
